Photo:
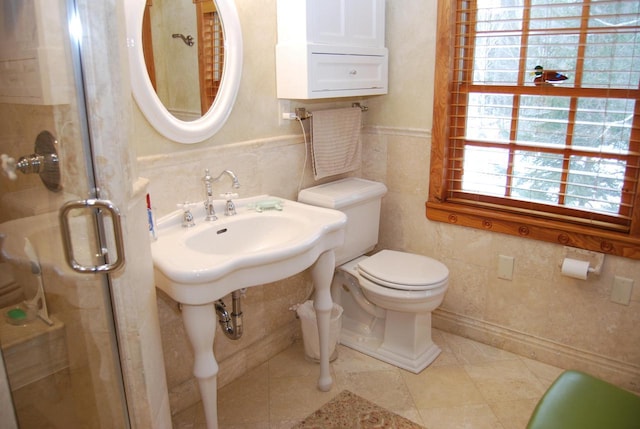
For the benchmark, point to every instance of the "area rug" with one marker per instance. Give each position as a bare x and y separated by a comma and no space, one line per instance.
349,411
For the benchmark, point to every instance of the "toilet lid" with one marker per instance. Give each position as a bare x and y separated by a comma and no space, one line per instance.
401,270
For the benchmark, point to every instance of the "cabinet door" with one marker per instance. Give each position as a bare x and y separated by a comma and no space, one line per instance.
346,22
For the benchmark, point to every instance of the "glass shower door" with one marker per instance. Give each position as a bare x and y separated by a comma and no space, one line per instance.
58,340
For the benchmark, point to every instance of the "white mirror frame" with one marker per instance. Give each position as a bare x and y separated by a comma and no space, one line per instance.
153,109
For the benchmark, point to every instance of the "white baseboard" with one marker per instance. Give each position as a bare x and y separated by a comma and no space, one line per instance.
623,374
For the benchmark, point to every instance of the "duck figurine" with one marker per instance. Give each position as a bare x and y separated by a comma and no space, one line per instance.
544,77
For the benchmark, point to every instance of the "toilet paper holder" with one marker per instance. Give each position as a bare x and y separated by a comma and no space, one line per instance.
595,259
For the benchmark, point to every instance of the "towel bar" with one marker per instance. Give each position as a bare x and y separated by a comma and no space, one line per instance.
302,113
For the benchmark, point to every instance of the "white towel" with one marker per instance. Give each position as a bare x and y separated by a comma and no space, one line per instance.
335,141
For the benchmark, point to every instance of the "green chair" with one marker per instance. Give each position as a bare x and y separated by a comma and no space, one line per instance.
579,401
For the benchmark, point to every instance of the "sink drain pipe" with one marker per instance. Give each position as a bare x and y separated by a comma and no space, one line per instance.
231,324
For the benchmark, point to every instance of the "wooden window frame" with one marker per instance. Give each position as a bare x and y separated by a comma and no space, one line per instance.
210,52
491,216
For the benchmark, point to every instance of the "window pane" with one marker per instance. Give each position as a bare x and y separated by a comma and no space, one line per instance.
489,117
595,184
554,52
557,14
499,15
612,60
496,60
604,124
497,42
485,170
611,14
543,120
536,176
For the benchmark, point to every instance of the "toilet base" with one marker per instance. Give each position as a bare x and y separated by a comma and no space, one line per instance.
379,340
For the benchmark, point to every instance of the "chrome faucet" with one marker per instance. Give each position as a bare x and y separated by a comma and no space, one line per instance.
208,203
231,174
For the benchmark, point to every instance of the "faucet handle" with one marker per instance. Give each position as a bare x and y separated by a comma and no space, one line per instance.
230,207
187,216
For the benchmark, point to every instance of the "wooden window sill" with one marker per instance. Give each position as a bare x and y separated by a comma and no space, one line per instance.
552,231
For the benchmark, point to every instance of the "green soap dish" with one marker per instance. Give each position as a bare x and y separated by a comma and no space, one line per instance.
19,316
261,206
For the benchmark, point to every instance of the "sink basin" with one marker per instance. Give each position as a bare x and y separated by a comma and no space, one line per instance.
203,263
198,265
248,234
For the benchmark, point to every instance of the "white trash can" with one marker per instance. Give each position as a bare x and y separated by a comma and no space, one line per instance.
307,315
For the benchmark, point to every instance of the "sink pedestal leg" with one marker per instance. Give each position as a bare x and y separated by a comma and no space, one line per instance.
200,324
322,273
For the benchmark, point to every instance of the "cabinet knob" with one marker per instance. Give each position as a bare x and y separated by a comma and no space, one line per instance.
353,72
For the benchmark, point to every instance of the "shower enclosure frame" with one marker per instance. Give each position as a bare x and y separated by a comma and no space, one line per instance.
129,351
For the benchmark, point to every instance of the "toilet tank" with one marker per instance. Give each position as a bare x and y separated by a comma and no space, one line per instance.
360,200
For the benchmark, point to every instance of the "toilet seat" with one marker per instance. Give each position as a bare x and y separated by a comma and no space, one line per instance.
403,271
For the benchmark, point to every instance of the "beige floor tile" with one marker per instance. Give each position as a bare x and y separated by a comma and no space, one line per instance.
443,386
547,374
286,424
472,352
470,385
384,388
260,425
464,417
350,360
292,363
187,418
514,414
245,400
294,398
503,381
445,358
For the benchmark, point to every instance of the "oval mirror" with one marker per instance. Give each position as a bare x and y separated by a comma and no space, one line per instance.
145,95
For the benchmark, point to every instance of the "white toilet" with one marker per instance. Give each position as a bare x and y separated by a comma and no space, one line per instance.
387,297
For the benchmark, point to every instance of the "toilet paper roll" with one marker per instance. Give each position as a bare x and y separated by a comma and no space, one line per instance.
575,268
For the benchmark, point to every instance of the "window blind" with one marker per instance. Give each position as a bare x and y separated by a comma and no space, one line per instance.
544,109
211,53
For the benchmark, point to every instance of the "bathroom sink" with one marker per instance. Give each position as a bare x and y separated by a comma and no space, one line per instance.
205,262
247,234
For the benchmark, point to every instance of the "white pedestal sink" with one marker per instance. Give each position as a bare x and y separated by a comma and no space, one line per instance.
196,266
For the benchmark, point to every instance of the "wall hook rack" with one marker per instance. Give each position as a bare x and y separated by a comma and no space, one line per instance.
188,40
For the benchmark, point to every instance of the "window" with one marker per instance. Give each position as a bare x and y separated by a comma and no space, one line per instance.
537,120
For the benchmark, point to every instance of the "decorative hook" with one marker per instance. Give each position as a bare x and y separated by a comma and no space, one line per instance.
188,40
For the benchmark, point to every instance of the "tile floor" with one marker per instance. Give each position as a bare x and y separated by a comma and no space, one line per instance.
470,385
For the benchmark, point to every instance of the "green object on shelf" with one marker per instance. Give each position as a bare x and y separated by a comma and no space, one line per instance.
17,314
579,401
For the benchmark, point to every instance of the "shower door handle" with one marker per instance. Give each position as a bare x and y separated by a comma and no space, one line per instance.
97,206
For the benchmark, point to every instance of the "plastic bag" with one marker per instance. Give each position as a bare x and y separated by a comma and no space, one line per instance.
307,315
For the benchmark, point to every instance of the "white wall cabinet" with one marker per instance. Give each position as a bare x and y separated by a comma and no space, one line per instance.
331,48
